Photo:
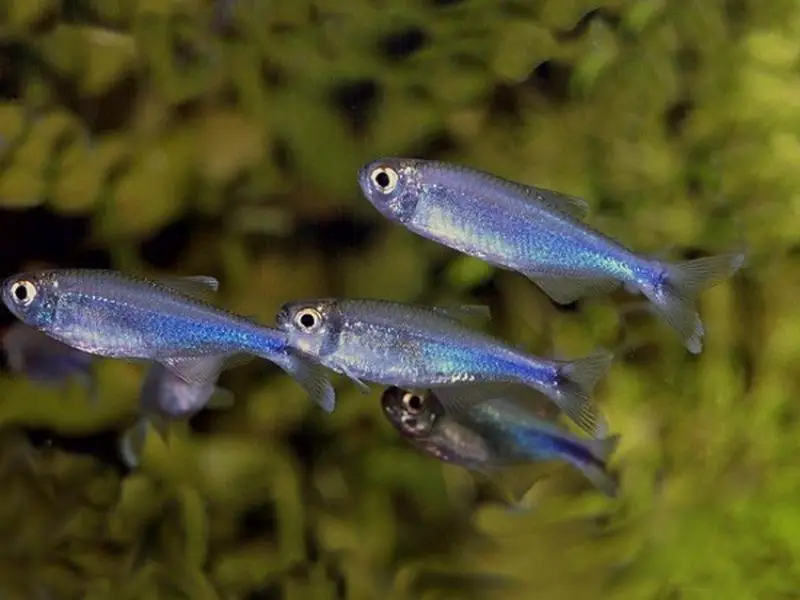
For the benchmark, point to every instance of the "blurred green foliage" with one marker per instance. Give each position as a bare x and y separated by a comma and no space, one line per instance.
677,120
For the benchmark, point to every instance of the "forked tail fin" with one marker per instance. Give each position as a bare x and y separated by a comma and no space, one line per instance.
574,386
596,470
674,299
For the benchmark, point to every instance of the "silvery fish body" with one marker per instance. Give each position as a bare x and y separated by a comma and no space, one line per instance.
40,357
416,346
165,394
492,434
45,360
166,320
539,233
165,397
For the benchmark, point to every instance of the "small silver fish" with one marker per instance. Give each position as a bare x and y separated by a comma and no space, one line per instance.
44,360
165,394
416,346
165,397
493,434
166,320
538,233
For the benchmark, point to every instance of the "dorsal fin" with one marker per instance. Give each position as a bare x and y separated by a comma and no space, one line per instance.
465,313
568,205
197,286
458,401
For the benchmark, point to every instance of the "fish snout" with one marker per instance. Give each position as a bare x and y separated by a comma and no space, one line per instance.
382,182
19,293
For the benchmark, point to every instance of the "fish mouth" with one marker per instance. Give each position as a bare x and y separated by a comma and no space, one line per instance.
363,179
6,285
283,318
389,398
412,427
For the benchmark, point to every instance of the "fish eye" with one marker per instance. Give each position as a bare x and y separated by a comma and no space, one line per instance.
308,319
413,403
23,292
384,179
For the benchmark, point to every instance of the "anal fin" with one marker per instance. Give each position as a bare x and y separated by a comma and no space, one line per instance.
221,399
196,370
566,290
363,387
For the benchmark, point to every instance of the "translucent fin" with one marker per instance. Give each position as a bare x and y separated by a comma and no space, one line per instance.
674,299
568,205
221,399
197,286
311,376
363,387
89,383
588,456
630,288
513,483
603,448
205,280
601,478
196,370
127,452
457,400
234,360
635,308
132,442
161,426
597,472
466,312
566,290
577,381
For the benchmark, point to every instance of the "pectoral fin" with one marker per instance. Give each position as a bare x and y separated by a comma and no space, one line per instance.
363,387
311,376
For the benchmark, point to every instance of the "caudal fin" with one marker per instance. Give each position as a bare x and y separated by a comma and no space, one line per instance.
601,478
603,448
573,390
596,470
311,376
674,299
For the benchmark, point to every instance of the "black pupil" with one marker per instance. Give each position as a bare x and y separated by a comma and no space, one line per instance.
382,179
21,293
307,320
415,403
